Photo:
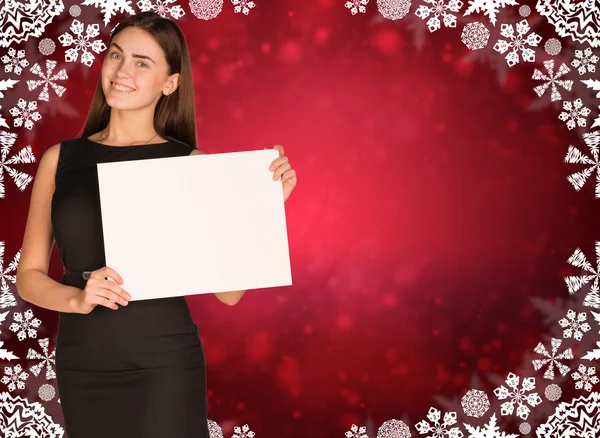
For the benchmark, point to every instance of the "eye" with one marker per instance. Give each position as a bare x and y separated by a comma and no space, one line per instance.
114,53
145,65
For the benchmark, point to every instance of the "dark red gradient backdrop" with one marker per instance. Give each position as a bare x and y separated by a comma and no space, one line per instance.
431,207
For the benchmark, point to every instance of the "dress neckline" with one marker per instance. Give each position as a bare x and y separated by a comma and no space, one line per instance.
126,147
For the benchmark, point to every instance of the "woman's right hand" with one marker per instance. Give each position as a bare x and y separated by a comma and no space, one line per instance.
100,290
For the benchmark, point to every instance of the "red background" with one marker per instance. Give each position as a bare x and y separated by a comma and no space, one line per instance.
431,206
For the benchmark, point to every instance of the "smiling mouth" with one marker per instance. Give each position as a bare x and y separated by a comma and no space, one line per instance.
120,88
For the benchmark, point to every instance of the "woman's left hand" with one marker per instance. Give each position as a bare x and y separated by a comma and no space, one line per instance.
282,169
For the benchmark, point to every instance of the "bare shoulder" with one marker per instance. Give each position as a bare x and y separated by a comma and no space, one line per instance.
53,150
38,238
197,152
49,162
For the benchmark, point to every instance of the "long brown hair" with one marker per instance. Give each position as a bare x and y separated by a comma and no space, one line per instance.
175,114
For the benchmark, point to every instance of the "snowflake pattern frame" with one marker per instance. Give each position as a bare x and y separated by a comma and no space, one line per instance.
574,113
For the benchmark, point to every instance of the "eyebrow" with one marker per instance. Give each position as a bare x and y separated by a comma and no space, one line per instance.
133,54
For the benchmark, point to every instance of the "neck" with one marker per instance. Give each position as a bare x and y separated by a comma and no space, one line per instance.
126,127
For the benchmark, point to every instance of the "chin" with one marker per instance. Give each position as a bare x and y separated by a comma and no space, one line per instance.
121,105
125,106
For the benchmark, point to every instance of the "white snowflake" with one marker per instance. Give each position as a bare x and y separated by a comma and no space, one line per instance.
574,283
553,392
21,179
48,79
490,430
393,429
574,326
439,8
558,309
489,7
46,46
5,84
82,42
46,359
356,6
541,411
585,377
110,7
517,42
438,429
2,319
475,36
7,299
243,432
475,403
524,11
574,113
490,57
75,11
14,377
46,392
24,19
552,358
585,62
594,354
578,20
14,61
356,432
552,80
5,354
575,156
597,119
393,9
553,46
25,112
3,120
25,325
26,419
578,418
206,9
518,396
524,428
214,430
243,6
594,84
162,8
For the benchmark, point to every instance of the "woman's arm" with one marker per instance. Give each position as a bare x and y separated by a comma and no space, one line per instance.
33,283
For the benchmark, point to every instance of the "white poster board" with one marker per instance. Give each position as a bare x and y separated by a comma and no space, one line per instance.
195,224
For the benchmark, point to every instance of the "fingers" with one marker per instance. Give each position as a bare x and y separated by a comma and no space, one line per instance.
280,149
110,272
115,293
108,294
107,290
112,285
278,162
100,300
281,170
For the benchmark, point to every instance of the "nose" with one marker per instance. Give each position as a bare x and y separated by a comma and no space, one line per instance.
124,71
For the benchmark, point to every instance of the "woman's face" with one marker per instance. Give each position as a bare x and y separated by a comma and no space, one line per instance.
137,62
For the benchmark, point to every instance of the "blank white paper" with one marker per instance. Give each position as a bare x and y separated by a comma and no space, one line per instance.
195,224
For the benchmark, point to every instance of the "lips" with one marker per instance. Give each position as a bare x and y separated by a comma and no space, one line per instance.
126,89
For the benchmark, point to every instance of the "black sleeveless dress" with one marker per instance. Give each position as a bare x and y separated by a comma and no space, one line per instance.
137,371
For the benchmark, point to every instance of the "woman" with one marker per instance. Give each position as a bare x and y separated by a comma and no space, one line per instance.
123,369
